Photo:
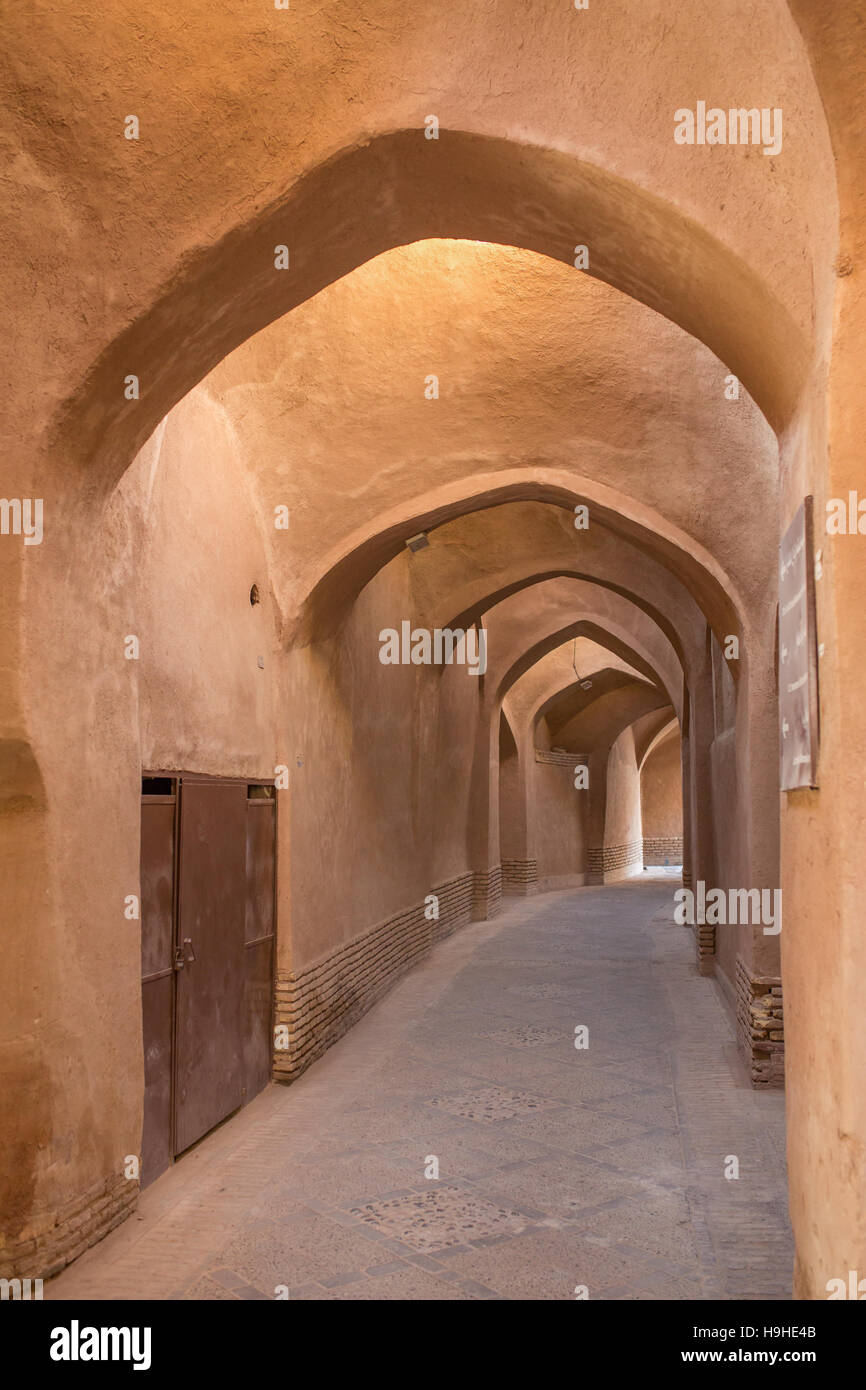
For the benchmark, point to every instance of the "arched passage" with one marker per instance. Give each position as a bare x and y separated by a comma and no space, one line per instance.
523,196
209,301
661,799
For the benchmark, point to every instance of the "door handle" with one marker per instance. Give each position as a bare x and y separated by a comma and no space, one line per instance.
187,941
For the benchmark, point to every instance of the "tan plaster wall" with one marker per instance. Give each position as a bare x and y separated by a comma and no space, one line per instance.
512,802
622,822
559,811
380,760
661,798
204,703
823,870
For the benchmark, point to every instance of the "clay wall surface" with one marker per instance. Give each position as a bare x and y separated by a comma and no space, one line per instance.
259,388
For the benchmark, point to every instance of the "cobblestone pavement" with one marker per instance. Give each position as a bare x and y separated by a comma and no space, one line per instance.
558,1167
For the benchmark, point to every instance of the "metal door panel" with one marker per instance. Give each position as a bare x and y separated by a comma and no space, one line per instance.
259,947
157,982
258,1012
210,983
157,1009
260,854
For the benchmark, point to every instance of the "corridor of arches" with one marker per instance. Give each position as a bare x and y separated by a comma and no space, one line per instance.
405,619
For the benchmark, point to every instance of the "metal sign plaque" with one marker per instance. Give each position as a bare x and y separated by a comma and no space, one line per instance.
798,665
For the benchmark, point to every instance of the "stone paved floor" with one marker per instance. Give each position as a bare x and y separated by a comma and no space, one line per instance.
558,1167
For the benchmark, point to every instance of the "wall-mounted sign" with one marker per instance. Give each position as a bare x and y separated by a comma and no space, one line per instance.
798,657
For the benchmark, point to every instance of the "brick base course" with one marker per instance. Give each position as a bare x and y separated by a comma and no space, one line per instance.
760,1025
663,849
519,875
320,1003
486,894
705,943
56,1239
613,857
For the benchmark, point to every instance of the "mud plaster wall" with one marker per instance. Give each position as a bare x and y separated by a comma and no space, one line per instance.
380,761
622,822
195,549
559,810
661,791
512,811
378,756
823,867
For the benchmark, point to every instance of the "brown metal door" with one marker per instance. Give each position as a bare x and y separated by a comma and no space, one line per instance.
210,981
259,940
157,973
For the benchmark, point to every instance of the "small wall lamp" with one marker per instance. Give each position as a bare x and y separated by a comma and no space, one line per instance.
419,542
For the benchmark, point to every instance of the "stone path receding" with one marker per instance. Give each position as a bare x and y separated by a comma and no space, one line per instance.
558,1167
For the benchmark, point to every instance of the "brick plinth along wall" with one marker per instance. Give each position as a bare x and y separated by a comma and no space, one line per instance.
56,1238
486,894
663,849
556,757
705,943
519,876
612,858
760,1025
321,1003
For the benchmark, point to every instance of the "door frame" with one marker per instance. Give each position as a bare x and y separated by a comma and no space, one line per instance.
176,777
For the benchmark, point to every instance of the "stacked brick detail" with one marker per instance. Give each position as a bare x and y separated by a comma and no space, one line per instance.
613,857
663,849
319,1004
557,757
705,941
519,875
760,1025
487,894
59,1237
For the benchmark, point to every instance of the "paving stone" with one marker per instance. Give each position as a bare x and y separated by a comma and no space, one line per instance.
548,1264
528,1035
561,1187
209,1291
488,1104
409,1285
442,1216
471,1153
313,1246
659,1223
348,1179
575,1129
658,1155
542,991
